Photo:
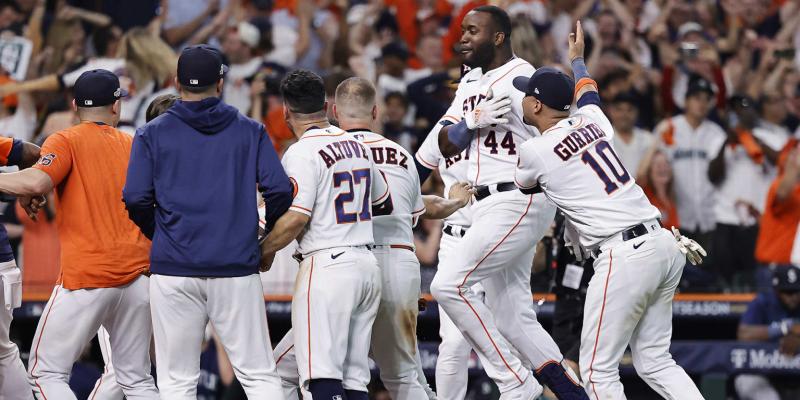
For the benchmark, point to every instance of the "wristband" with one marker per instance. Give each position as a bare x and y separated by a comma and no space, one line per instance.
777,330
579,70
460,135
583,82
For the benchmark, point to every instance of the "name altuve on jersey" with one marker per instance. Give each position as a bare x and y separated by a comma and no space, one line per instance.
341,150
577,140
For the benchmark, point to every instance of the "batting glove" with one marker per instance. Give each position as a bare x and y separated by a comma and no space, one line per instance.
488,112
691,249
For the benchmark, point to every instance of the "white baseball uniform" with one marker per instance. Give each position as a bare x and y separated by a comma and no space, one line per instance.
454,350
629,300
394,333
338,287
690,153
498,248
106,388
14,382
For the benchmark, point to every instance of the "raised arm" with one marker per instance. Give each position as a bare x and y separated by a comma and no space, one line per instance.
584,84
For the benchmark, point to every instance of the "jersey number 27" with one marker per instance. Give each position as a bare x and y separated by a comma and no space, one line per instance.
603,150
356,177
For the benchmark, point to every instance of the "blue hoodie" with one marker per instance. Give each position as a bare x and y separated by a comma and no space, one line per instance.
191,189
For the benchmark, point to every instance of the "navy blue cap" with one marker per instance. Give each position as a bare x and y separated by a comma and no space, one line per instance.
551,86
200,66
97,88
698,84
786,278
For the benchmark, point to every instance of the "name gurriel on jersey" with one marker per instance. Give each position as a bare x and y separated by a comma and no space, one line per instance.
341,150
577,140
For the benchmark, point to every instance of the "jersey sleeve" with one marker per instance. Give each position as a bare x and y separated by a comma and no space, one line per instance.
56,160
593,113
428,153
419,205
304,175
529,166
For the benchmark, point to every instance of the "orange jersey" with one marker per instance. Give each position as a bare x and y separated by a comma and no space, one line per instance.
778,237
669,213
100,246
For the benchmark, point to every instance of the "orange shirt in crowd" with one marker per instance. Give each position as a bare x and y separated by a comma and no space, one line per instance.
100,246
40,251
778,233
278,130
669,213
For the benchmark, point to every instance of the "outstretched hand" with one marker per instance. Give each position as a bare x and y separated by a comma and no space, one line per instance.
576,44
32,205
461,192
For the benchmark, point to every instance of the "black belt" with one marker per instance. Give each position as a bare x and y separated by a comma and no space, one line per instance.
628,234
483,191
456,231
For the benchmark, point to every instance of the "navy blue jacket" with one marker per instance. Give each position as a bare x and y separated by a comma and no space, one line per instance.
191,189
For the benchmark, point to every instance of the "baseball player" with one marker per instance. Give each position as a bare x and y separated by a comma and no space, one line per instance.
394,344
637,263
106,387
506,224
190,187
104,257
337,190
14,384
454,351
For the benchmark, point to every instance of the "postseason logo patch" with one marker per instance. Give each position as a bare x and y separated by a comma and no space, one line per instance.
47,159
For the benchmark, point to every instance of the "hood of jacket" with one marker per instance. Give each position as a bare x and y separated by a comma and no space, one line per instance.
209,116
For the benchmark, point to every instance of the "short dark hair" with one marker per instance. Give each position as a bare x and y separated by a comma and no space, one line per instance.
396,95
101,38
303,91
160,105
500,18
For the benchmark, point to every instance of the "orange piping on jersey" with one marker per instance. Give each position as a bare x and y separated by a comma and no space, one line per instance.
427,164
453,118
284,353
600,323
302,208
507,72
322,135
308,315
375,141
460,293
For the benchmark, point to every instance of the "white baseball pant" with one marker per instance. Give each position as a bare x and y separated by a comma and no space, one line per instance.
629,301
106,388
454,351
182,307
497,251
336,298
14,382
394,333
70,320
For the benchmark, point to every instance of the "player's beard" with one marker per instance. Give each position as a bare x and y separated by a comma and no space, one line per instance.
481,56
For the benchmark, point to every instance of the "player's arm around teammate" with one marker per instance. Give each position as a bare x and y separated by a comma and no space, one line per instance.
15,386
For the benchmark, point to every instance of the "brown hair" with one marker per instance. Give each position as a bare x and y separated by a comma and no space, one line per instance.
160,105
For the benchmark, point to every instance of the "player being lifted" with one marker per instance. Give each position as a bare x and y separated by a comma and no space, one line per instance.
638,264
506,224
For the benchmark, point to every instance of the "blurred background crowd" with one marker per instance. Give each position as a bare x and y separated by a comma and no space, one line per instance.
704,96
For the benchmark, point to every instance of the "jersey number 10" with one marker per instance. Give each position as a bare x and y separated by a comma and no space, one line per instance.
602,149
356,177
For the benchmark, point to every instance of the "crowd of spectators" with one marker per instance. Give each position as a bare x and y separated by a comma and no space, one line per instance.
704,95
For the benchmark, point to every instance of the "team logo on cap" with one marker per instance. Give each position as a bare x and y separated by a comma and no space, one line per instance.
87,102
221,69
536,90
194,82
118,92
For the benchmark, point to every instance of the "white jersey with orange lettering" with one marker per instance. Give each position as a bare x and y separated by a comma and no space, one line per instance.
397,166
451,169
637,263
493,151
335,183
575,165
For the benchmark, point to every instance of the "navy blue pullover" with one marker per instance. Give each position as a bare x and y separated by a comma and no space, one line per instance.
191,189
